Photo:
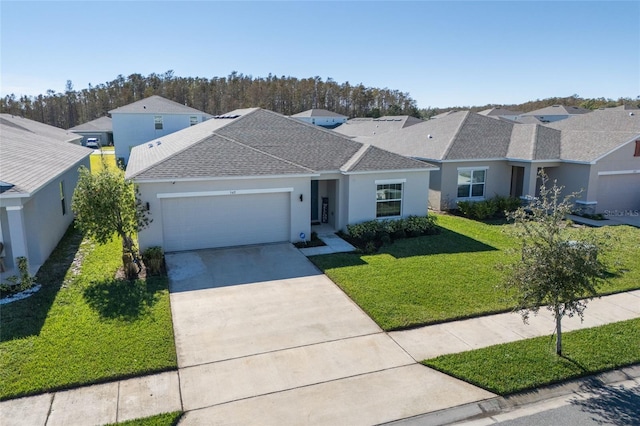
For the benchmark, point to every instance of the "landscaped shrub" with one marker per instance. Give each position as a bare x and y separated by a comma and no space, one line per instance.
370,235
19,283
153,259
486,209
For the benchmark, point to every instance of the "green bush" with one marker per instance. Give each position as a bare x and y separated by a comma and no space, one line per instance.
153,258
374,233
486,209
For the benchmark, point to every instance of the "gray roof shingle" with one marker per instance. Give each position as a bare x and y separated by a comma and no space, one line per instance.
558,110
102,124
376,126
318,112
40,129
496,112
29,160
256,142
155,105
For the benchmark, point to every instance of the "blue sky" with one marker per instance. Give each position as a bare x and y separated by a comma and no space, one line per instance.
453,53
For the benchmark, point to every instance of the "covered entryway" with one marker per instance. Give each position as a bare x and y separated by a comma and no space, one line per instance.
618,192
232,219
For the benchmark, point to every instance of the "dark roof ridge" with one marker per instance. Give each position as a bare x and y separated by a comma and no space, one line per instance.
456,133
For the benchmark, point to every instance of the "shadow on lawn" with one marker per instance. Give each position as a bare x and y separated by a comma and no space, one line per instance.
446,242
122,299
26,317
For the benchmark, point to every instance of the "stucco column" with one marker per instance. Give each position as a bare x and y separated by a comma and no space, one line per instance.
18,236
530,180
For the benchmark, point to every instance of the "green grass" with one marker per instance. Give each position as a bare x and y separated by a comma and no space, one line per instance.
527,364
96,161
166,419
84,326
453,275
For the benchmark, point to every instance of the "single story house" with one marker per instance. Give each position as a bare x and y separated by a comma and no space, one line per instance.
321,117
375,126
479,157
555,113
38,174
149,119
254,176
100,128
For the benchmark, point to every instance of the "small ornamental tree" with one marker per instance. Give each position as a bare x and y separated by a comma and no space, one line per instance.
105,204
558,268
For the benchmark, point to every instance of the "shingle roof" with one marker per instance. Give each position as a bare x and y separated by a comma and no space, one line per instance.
155,105
590,136
256,142
30,160
558,110
496,112
102,124
38,128
376,126
318,112
469,136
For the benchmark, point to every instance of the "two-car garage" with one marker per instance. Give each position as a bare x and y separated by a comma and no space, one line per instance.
192,221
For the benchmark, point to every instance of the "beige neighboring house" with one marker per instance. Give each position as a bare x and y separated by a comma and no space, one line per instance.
253,176
479,157
38,174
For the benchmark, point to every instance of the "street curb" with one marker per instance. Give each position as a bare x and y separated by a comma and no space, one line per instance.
493,406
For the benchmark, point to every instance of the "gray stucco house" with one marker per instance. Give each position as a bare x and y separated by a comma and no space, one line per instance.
254,176
38,174
479,157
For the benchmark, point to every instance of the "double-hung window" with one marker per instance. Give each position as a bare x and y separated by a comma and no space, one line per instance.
388,199
158,122
471,183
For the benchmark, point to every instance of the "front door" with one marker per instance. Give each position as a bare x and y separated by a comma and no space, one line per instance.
517,180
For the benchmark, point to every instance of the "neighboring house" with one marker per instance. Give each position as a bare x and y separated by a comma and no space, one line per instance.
254,176
40,129
38,174
100,128
501,113
376,126
479,157
555,113
148,119
321,117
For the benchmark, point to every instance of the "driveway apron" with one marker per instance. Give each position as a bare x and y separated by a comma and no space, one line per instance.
263,337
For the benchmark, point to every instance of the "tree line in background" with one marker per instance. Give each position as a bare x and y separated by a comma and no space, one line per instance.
218,95
573,100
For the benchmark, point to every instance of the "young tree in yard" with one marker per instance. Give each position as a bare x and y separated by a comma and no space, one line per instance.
559,267
105,204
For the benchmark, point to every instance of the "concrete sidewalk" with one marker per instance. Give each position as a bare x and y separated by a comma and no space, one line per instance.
402,388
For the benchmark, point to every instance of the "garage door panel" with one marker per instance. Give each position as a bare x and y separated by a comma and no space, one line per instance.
191,223
618,192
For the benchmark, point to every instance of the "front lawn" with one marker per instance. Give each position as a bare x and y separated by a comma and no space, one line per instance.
449,276
531,363
84,326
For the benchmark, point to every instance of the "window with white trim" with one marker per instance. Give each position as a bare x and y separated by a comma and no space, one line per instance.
389,200
471,183
193,120
158,122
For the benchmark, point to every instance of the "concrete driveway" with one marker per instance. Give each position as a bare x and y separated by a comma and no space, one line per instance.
263,337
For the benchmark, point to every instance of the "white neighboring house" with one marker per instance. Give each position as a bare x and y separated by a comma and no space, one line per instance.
148,119
254,176
38,174
321,117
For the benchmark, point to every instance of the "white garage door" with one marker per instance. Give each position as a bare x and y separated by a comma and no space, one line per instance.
618,192
192,223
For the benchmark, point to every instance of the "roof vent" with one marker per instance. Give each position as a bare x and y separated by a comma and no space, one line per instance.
631,114
429,136
144,107
158,143
150,145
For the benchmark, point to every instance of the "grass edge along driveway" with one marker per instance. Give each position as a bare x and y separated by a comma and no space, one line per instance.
84,326
450,276
528,364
